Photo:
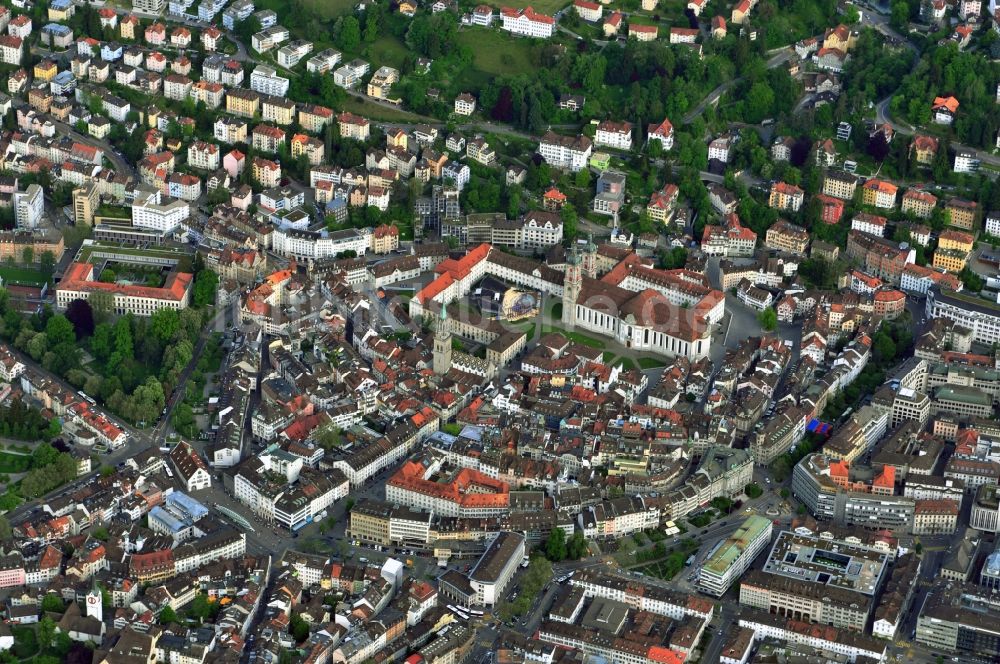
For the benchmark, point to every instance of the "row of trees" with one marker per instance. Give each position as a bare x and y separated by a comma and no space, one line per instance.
18,420
969,76
138,360
50,469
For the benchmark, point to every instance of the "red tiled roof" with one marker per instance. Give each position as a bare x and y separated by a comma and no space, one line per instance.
948,103
79,277
529,13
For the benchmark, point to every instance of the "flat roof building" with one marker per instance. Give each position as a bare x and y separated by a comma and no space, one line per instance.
734,556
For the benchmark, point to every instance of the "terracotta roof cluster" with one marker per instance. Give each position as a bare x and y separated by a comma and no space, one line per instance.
80,277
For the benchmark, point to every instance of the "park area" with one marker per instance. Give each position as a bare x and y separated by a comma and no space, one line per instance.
136,274
649,553
496,53
23,276
549,7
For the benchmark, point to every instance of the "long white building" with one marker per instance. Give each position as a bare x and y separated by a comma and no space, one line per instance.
980,316
163,217
303,244
265,80
527,22
734,556
293,502
567,152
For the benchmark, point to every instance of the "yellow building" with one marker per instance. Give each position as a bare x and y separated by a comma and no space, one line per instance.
879,193
46,70
370,522
396,138
62,13
353,126
313,118
786,196
311,147
953,250
127,26
950,261
962,213
924,149
86,200
840,185
385,239
266,172
278,110
841,38
956,240
244,103
919,203
382,81
785,236
13,243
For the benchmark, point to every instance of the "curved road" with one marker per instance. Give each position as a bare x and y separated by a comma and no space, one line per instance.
882,116
120,163
779,58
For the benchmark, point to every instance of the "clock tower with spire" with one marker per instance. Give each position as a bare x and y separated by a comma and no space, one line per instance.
571,288
95,603
442,344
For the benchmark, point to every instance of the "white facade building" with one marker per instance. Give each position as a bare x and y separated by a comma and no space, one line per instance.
265,80
29,206
527,22
149,212
565,151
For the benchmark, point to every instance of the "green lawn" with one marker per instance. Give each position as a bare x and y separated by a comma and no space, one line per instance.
549,7
183,259
387,50
651,363
13,463
25,641
496,52
582,339
378,112
22,275
330,8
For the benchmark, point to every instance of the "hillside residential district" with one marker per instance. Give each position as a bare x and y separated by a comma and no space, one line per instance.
434,332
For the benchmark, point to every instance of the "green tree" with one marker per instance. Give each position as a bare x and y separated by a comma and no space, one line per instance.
758,103
205,285
167,616
200,608
900,15
28,255
371,28
675,259
570,221
350,34
53,603
555,545
884,347
46,632
577,547
59,330
768,319
298,628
